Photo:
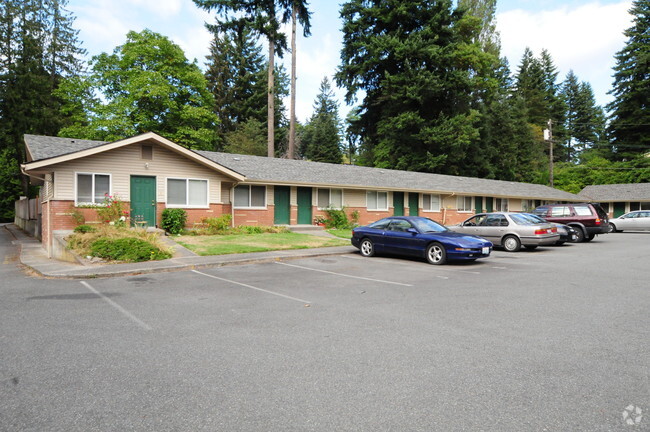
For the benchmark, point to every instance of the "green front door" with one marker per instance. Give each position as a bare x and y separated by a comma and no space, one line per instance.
478,205
143,201
619,209
398,203
282,210
488,204
304,206
414,203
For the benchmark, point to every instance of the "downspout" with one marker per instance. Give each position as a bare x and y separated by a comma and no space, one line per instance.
232,204
444,208
49,211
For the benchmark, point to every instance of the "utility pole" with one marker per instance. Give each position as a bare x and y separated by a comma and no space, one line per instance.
548,135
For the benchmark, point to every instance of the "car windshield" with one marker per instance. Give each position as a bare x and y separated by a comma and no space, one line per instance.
427,225
524,219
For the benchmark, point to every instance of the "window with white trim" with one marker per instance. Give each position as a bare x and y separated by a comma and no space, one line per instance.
330,198
464,203
92,188
183,192
376,200
431,202
501,204
527,205
249,196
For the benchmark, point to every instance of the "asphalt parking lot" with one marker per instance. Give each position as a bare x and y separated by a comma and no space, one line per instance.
554,339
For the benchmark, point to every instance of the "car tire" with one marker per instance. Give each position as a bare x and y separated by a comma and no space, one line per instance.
612,228
436,254
580,235
367,248
590,237
511,243
531,247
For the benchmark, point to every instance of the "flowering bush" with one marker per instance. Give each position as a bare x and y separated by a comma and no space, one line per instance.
112,211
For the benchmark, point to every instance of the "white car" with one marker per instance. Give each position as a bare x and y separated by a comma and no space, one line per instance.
638,220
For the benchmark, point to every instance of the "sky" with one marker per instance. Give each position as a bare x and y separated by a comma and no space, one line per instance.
580,35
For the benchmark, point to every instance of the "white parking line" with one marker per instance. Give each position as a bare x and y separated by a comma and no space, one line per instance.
306,302
344,275
125,312
420,265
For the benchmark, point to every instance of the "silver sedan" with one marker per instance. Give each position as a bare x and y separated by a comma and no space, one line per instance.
510,230
638,220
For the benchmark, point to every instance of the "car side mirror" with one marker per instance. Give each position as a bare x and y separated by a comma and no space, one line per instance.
412,230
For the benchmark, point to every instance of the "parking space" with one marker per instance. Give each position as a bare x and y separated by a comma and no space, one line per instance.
551,339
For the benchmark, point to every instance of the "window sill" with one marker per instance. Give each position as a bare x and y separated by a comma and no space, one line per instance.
186,206
250,208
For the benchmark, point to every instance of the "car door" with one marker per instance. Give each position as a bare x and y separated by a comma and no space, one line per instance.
470,226
377,234
399,240
644,221
493,227
626,222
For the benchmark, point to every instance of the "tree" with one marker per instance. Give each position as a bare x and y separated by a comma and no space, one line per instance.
236,75
247,138
419,64
262,17
300,13
630,112
147,84
321,139
485,11
38,48
585,121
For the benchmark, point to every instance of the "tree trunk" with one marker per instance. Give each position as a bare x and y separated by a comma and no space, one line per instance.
271,101
292,106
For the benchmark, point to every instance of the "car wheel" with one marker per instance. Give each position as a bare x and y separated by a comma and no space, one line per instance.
511,243
531,247
436,254
580,235
590,237
611,228
367,248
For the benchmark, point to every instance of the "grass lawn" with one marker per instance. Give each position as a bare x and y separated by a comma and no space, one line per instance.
343,233
243,243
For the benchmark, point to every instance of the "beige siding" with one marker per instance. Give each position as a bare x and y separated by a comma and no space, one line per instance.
126,161
449,202
354,198
514,205
225,192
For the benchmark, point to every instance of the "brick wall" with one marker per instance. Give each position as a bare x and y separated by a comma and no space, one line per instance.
195,215
255,217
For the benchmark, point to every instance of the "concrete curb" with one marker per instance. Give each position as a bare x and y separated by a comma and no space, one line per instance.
34,257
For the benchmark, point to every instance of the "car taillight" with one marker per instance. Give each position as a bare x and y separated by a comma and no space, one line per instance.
554,229
542,231
597,221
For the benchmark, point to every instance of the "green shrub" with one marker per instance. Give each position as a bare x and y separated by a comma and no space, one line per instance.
173,220
84,229
127,249
219,224
337,219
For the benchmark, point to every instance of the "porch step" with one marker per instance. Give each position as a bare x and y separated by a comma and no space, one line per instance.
304,227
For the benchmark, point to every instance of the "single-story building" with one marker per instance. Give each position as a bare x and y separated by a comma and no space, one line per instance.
150,173
618,199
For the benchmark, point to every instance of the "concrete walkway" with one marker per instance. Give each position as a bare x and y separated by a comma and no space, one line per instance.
34,257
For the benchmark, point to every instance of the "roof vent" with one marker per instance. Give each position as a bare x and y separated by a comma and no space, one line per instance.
235,159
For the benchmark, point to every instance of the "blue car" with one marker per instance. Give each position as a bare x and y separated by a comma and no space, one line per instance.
418,236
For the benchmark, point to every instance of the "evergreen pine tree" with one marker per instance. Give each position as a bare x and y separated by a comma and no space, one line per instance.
630,110
321,138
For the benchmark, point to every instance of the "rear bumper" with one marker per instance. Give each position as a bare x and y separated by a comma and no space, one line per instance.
540,241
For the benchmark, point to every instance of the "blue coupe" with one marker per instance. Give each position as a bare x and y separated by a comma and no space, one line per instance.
418,236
